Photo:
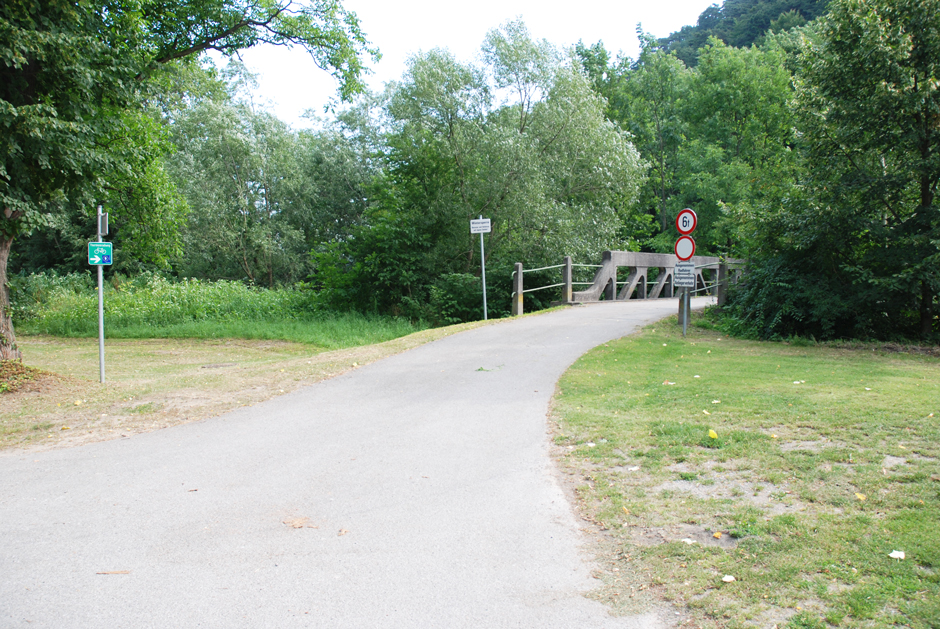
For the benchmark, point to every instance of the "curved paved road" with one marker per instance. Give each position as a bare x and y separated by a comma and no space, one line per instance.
421,485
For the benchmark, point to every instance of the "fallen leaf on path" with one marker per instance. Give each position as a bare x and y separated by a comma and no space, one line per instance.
114,572
299,523
712,434
717,535
860,496
342,532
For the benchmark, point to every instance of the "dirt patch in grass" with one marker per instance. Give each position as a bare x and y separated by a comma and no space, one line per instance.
157,383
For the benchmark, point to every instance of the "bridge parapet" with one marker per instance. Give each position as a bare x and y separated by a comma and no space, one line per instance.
719,271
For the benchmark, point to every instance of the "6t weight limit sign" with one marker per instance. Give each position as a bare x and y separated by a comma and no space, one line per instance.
686,222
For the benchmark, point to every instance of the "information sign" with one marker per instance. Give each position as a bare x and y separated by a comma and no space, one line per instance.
99,253
480,226
683,275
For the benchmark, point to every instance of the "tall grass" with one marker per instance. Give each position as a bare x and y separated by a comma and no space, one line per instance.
153,306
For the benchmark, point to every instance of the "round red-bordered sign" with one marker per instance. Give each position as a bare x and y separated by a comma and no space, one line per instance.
686,222
685,248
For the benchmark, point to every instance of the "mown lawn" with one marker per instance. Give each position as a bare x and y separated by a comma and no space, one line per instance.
797,471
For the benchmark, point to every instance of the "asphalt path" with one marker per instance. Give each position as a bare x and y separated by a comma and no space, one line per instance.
417,491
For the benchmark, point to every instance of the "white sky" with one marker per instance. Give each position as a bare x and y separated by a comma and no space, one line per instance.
290,83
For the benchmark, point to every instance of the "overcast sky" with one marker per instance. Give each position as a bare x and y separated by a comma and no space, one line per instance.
290,83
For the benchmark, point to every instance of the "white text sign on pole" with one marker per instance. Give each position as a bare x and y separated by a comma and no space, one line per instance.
683,276
480,226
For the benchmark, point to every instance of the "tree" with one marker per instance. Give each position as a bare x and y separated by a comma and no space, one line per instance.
260,195
740,131
544,165
650,96
72,79
871,102
717,137
741,23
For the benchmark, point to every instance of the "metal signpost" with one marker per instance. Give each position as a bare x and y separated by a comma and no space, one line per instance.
481,226
99,254
683,275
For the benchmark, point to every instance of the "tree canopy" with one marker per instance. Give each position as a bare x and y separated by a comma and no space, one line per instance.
868,104
741,23
74,77
521,140
811,151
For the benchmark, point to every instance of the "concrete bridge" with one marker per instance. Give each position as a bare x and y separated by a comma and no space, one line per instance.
712,276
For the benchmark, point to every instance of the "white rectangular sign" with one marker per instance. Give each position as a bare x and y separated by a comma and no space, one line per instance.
480,226
683,276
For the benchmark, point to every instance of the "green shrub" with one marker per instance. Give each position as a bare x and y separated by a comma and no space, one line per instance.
456,298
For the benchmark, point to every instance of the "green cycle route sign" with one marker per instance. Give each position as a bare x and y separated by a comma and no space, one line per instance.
99,253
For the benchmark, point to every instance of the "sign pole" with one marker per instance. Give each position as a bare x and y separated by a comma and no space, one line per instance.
684,270
483,271
685,311
482,226
100,306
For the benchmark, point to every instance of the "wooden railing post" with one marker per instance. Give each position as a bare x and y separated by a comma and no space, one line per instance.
517,290
566,292
722,283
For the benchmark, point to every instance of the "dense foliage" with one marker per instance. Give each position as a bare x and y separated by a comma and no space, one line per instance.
75,129
864,216
151,305
542,163
807,147
741,23
814,155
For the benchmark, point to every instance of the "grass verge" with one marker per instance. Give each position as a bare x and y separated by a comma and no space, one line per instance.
797,471
157,383
325,332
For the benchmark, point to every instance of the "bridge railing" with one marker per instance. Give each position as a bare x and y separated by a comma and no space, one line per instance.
637,284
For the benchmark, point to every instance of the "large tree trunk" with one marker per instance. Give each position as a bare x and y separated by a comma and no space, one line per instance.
926,309
8,348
